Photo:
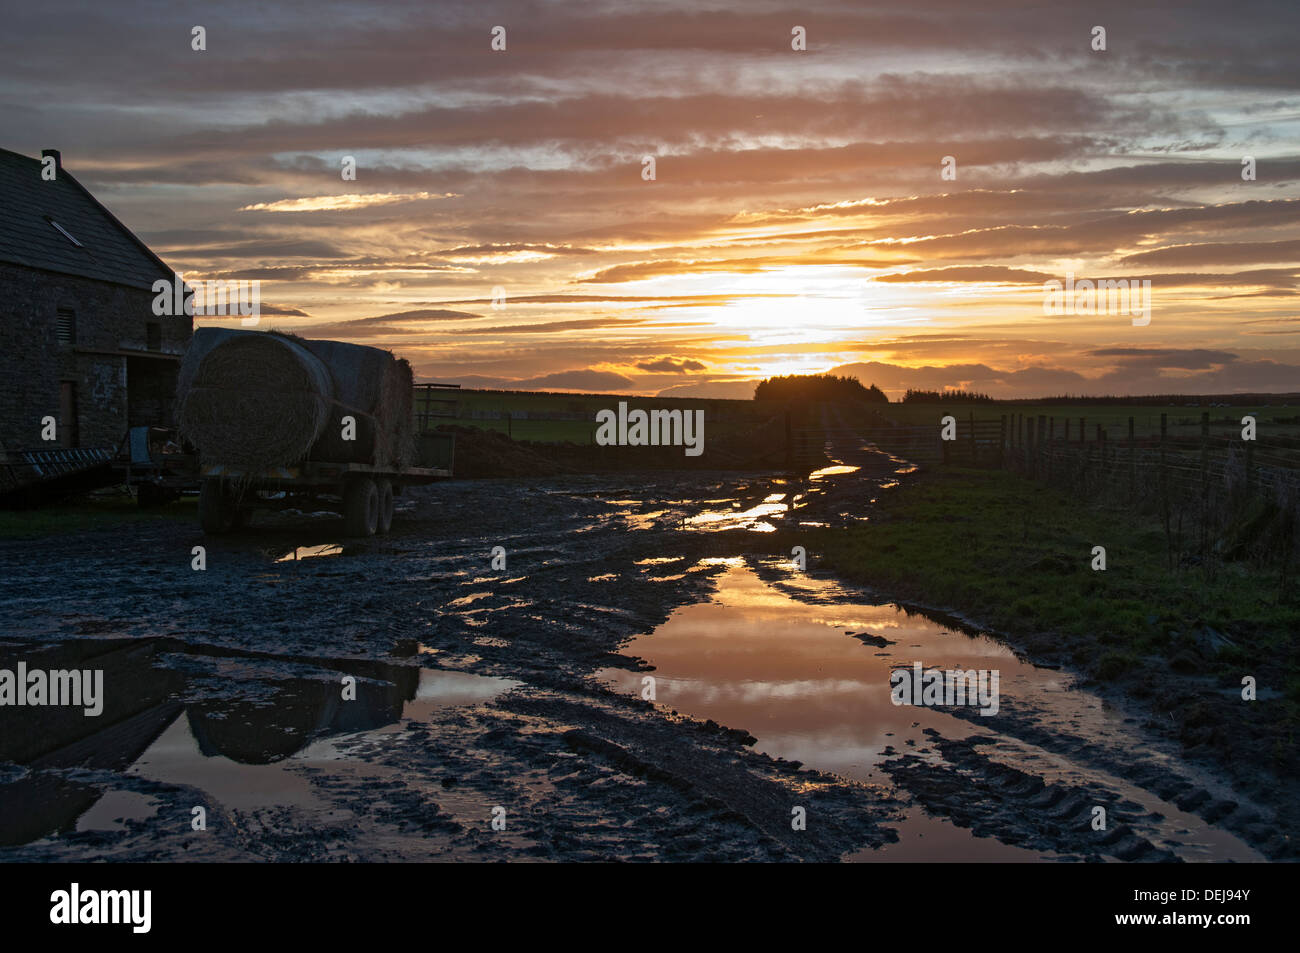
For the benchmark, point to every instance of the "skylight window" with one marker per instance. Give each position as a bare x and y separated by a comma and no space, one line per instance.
64,232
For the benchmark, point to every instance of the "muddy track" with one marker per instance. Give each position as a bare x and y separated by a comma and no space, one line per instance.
997,800
226,692
1195,792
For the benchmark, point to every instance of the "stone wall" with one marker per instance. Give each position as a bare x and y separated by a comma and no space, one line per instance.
34,363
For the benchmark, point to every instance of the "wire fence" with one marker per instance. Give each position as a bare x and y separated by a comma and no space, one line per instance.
1218,497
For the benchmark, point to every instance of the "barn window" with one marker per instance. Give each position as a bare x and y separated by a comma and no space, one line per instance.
64,232
66,327
153,336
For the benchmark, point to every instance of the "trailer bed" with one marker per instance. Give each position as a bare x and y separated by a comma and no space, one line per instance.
321,474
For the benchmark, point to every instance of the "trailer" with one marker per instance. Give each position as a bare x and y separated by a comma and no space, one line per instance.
37,476
282,421
154,462
363,493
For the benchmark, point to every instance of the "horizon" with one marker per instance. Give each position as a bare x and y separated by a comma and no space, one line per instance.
801,219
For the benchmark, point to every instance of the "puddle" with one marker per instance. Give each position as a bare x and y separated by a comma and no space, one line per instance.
752,519
784,668
310,552
178,755
835,470
247,753
442,689
109,812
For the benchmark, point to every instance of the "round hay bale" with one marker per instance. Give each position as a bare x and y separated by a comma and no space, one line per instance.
332,447
397,404
256,401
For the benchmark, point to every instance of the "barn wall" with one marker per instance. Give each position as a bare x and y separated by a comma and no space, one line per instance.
33,363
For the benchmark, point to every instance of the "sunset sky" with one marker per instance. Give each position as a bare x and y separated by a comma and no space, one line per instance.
798,221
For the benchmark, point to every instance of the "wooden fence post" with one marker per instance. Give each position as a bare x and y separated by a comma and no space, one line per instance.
789,442
1205,481
1038,446
1051,439
1132,461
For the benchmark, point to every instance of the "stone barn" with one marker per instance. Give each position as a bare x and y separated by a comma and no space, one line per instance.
79,340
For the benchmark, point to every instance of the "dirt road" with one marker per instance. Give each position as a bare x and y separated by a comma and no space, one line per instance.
408,698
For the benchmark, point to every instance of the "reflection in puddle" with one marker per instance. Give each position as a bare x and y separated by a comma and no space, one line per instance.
641,520
108,813
785,669
244,753
443,689
180,757
750,519
175,758
469,599
835,470
308,552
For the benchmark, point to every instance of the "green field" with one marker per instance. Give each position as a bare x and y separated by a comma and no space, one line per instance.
106,510
1015,555
1183,420
571,418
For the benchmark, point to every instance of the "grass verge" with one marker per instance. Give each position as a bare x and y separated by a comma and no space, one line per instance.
87,514
1016,557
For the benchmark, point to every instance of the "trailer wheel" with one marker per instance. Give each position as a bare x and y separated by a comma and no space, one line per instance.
216,508
385,505
361,507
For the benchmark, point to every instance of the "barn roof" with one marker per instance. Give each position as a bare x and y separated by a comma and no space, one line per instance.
59,226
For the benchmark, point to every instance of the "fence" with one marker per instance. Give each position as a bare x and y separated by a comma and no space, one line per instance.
1216,496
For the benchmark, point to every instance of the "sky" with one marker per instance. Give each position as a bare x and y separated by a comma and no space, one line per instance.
503,230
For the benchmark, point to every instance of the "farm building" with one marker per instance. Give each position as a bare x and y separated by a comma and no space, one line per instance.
79,341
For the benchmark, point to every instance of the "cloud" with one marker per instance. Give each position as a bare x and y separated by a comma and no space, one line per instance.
983,274
781,179
386,325
340,203
1139,373
1212,253
272,309
260,248
727,390
1156,357
574,380
671,365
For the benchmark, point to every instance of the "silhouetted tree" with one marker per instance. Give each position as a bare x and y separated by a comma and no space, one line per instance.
818,387
914,396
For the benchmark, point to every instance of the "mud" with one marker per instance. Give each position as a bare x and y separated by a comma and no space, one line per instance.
478,694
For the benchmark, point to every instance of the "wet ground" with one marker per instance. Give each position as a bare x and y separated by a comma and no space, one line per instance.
416,697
